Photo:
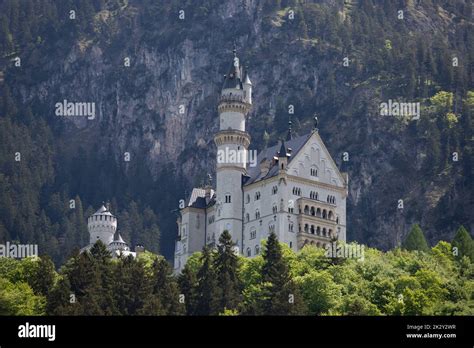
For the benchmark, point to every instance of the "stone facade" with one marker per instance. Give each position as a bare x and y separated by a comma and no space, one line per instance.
293,189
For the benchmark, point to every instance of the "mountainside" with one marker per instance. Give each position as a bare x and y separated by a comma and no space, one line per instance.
154,71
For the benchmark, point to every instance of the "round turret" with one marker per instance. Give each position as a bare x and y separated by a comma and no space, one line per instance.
102,225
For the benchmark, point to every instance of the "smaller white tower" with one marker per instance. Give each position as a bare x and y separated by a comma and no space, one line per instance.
102,225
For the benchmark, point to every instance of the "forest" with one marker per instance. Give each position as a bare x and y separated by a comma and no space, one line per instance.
411,280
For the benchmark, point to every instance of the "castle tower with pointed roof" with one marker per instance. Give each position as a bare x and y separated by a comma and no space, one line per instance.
102,225
232,143
293,189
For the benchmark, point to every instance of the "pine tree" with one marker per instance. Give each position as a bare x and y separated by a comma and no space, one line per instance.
208,293
59,298
281,295
187,281
415,240
225,264
132,287
85,284
102,259
166,288
464,243
43,279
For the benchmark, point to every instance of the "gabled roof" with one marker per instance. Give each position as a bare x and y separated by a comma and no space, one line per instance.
295,144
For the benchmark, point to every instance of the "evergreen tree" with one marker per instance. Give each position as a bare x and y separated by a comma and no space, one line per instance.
43,279
187,281
415,240
464,244
132,287
59,299
85,284
102,259
225,264
208,294
281,295
166,288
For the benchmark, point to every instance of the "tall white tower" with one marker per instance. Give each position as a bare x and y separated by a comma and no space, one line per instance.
232,150
102,225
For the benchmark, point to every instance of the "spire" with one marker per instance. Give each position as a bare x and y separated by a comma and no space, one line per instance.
282,152
234,78
247,78
289,135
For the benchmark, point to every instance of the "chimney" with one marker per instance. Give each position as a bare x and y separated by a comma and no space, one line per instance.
208,193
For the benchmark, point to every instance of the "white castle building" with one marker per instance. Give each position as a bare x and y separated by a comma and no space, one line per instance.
295,189
102,225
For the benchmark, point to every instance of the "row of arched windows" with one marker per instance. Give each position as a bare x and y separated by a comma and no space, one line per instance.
296,191
317,230
313,195
323,214
331,199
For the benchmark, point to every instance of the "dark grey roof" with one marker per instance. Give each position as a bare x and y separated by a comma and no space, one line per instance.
282,152
232,79
118,237
197,199
200,202
294,144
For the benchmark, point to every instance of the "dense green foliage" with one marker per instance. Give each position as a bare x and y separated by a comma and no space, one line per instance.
437,281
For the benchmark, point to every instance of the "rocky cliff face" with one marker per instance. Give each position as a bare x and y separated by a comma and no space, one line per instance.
162,107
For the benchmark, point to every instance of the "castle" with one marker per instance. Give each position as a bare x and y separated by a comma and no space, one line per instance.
102,225
293,189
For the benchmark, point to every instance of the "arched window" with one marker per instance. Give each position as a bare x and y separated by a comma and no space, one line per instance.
249,252
318,231
227,198
330,215
257,195
257,214
253,233
312,229
313,212
247,217
271,228
306,209
257,249
248,198
274,209
318,212
325,214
